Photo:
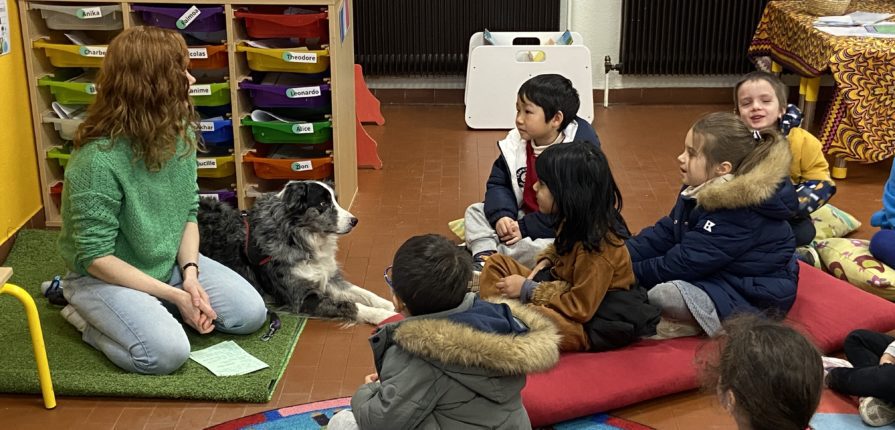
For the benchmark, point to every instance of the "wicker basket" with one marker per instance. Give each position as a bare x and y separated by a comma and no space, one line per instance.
826,7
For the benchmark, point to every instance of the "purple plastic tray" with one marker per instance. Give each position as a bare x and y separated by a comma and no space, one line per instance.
211,18
277,96
225,196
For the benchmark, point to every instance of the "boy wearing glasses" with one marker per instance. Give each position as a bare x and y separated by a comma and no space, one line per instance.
454,360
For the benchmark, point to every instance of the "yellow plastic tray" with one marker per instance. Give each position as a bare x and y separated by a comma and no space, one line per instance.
62,55
295,60
216,167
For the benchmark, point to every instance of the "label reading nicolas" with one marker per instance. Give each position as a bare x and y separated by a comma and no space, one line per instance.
188,17
303,128
89,13
301,166
303,92
206,163
198,53
300,57
200,90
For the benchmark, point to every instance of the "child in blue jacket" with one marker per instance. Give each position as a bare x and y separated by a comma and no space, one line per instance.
727,246
509,221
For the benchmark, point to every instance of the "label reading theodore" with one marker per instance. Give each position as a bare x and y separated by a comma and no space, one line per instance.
303,128
301,166
198,53
89,13
93,51
206,126
206,163
300,57
200,90
188,17
303,92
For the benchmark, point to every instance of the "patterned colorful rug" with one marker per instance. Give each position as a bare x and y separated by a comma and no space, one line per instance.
315,416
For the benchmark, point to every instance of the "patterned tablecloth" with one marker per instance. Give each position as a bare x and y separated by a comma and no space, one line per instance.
860,122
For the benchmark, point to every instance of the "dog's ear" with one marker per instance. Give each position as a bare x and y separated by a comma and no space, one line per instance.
296,196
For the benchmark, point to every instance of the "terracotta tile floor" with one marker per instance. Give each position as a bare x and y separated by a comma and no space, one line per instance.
434,168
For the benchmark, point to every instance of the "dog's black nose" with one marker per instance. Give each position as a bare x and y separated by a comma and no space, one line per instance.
353,221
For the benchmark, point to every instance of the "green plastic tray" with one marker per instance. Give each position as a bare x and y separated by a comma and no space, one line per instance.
306,133
69,93
59,155
217,94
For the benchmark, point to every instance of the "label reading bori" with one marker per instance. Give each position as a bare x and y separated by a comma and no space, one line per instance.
301,166
206,163
303,92
212,196
206,126
198,53
90,89
93,51
303,128
89,13
188,17
300,57
200,90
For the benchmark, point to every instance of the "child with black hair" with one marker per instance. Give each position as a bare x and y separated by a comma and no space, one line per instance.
760,99
508,221
455,360
872,378
575,275
726,247
765,374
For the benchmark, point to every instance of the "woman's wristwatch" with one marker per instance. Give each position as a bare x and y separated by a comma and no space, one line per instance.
188,265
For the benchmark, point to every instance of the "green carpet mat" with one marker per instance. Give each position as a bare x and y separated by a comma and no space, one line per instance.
79,370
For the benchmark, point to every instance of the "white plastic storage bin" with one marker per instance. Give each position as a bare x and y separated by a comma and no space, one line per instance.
80,17
495,73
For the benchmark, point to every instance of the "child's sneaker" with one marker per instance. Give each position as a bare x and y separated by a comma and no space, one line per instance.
670,329
832,363
876,412
478,263
52,290
74,318
808,254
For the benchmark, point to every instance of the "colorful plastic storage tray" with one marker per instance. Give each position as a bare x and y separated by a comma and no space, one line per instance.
279,91
80,17
226,196
60,155
62,55
271,26
76,91
209,18
208,57
216,130
65,127
215,167
307,133
295,60
290,168
216,94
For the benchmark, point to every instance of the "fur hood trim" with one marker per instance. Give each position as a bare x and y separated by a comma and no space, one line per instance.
752,188
458,344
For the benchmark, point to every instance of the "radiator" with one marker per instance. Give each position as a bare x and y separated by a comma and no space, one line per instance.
691,37
431,37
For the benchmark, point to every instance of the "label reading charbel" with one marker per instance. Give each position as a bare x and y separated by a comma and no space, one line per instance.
93,51
206,163
302,166
188,17
200,90
303,92
300,57
198,53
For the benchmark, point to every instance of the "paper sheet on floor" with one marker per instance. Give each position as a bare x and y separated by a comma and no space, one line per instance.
227,359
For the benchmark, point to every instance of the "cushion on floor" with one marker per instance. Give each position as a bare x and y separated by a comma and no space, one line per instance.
830,221
826,309
851,261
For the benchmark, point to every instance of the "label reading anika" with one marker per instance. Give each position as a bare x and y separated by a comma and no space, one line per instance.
214,197
200,90
93,51
89,13
206,163
303,92
300,57
188,17
301,166
198,53
303,128
206,126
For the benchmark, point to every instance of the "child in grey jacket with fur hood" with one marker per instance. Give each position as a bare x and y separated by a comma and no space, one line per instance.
455,361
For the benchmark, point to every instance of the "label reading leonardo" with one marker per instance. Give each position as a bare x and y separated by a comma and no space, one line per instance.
301,166
300,57
198,53
206,163
200,90
303,92
303,128
89,13
93,51
212,196
188,17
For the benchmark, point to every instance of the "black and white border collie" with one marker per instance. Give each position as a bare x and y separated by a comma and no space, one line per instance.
285,246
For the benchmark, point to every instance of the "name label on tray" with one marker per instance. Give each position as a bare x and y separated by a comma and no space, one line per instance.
206,163
188,17
206,126
90,89
198,53
210,196
301,166
89,13
93,51
303,92
300,57
303,128
200,90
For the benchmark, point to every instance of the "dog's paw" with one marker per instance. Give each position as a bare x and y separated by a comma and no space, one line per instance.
371,315
379,302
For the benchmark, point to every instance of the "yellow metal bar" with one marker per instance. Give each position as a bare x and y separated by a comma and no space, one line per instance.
812,87
37,340
840,168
